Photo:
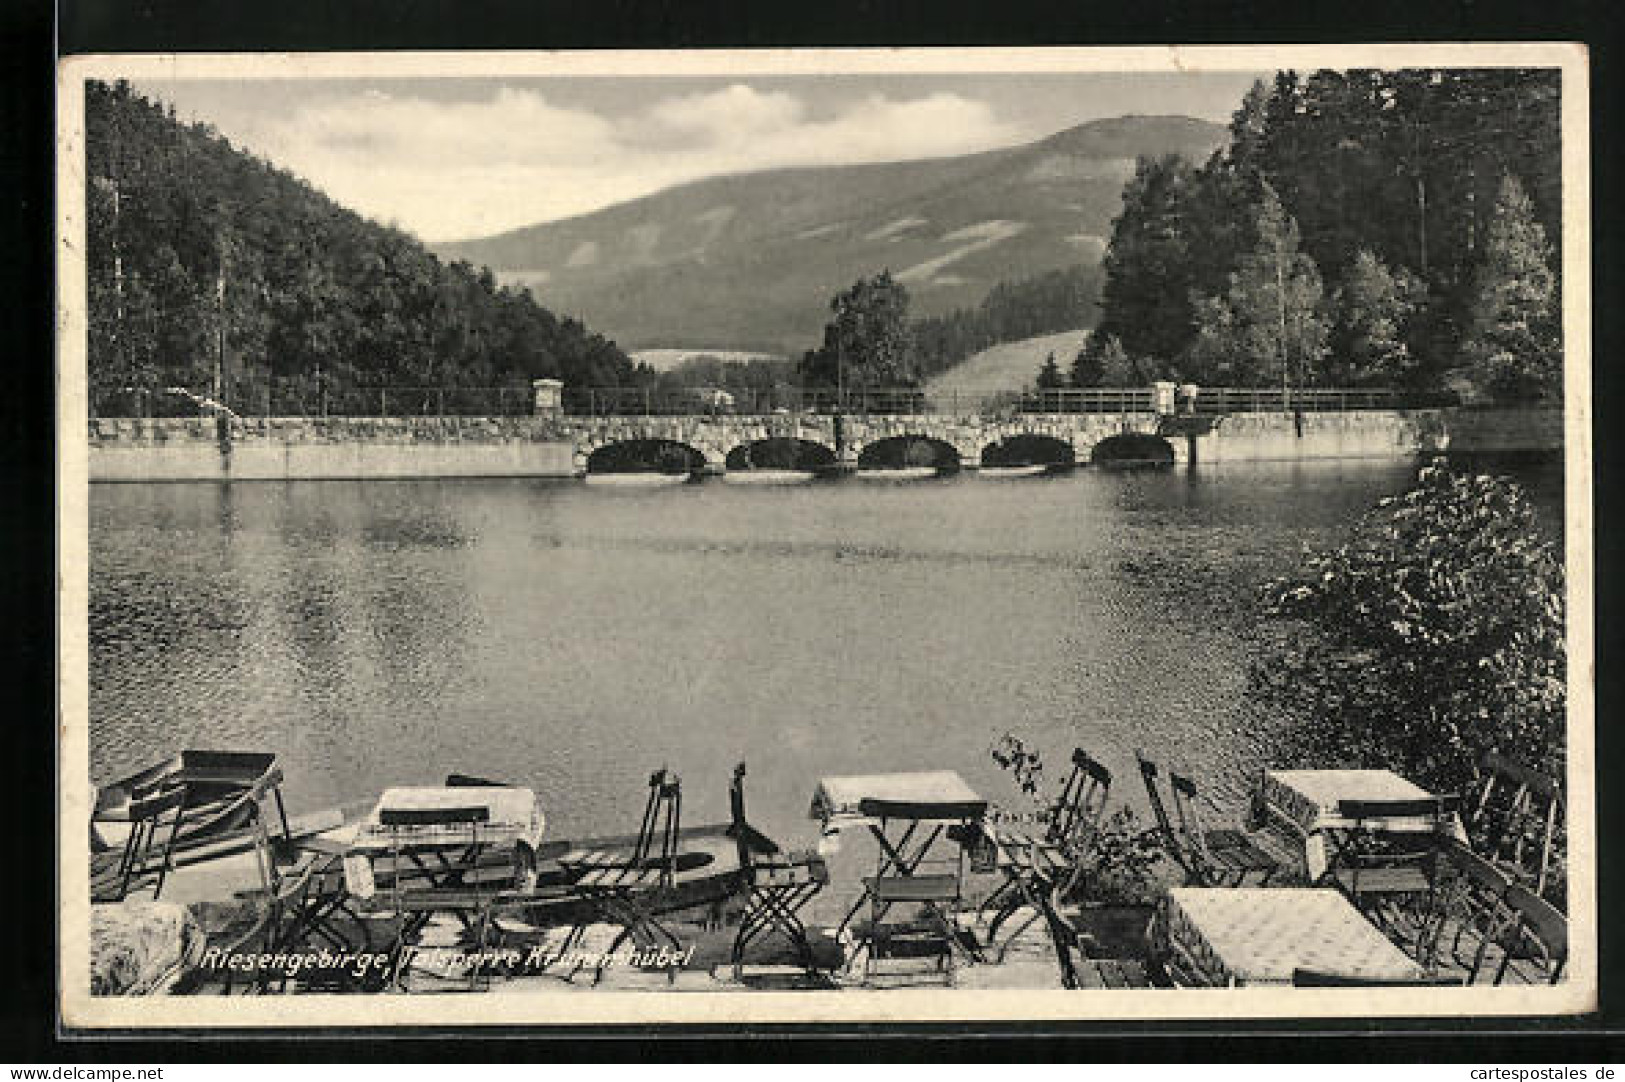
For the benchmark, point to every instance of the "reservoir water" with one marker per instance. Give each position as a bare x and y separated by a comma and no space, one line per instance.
573,637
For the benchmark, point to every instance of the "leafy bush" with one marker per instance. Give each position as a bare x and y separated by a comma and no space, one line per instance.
1434,634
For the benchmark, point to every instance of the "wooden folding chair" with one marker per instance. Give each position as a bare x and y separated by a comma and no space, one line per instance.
1221,857
1207,857
899,880
1471,896
662,812
1079,970
300,893
624,886
1537,932
1036,863
270,934
780,884
1515,817
417,872
1172,843
1383,871
144,858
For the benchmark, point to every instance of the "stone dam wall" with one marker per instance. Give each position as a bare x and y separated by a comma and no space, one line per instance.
334,448
553,445
1285,437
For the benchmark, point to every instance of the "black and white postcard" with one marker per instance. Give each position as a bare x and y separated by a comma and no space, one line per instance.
825,536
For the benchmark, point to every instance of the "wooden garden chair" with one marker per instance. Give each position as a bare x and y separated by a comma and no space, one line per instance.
780,885
1382,872
1036,863
301,896
1470,905
1515,817
1078,969
1207,858
273,931
422,876
1223,856
624,886
1172,845
144,858
662,814
905,874
1536,932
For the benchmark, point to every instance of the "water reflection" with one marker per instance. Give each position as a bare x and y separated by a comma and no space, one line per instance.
573,637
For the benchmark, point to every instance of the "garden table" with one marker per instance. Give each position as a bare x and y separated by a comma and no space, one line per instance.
1306,803
432,821
442,833
1230,936
906,814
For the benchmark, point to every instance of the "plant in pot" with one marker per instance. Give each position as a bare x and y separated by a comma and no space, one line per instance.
1109,901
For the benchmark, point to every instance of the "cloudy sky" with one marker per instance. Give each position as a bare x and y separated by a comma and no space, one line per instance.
451,158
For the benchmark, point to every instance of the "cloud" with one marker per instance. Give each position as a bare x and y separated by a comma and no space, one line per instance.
732,113
879,129
453,169
514,127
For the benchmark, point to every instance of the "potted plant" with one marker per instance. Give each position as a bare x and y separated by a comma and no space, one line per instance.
1110,900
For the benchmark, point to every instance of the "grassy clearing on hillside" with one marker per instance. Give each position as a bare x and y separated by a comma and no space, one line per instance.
1008,366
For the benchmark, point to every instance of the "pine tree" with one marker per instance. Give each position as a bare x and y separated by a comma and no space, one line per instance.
1145,300
1103,362
1088,368
1049,375
1513,345
1117,368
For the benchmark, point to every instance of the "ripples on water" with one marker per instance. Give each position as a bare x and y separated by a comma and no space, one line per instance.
573,637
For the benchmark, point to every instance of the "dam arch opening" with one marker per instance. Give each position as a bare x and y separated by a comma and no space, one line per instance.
780,453
909,452
1028,449
659,456
1133,449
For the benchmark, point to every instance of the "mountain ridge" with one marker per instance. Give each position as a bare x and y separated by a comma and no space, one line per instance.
751,259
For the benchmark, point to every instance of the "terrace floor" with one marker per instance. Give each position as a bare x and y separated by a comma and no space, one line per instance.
1029,961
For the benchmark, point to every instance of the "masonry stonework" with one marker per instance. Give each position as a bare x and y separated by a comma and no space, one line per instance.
554,444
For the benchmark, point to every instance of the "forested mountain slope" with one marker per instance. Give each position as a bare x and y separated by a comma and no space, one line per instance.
211,270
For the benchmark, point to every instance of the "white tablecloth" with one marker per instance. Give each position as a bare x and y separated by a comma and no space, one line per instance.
1306,802
1259,935
514,818
837,799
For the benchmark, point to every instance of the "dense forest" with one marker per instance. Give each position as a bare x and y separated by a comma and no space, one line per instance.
1361,228
1057,300
214,272
872,342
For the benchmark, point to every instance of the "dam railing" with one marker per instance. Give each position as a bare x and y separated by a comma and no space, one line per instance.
303,398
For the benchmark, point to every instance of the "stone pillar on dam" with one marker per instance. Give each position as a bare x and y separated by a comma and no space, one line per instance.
547,397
